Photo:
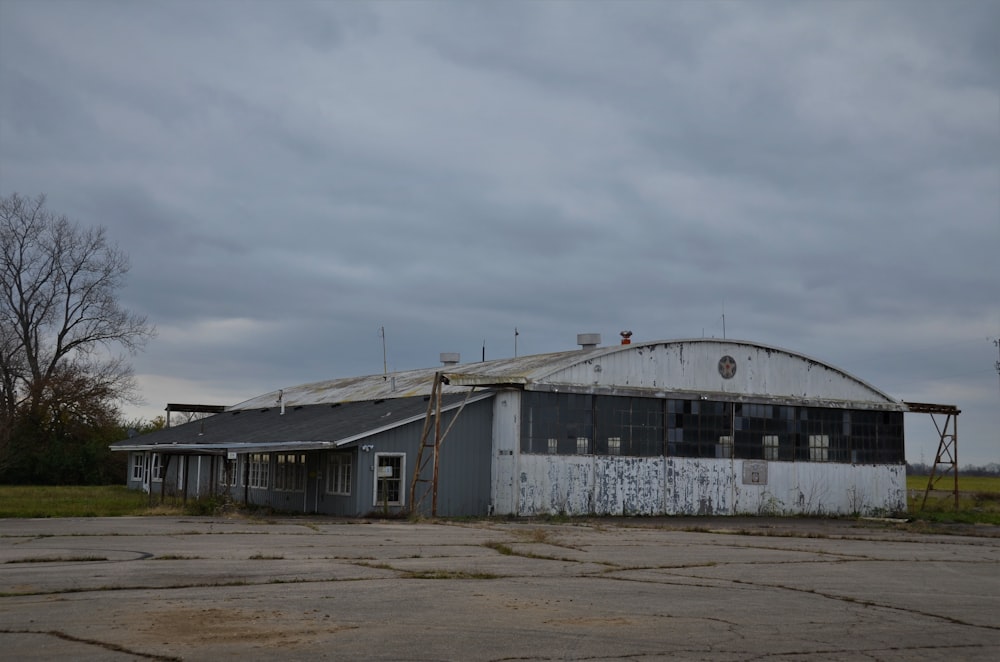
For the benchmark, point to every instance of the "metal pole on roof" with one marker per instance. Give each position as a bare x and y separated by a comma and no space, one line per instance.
385,362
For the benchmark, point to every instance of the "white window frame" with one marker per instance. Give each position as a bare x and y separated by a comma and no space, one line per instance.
553,446
339,473
138,466
614,445
819,447
376,501
233,478
289,472
583,445
260,470
156,468
771,444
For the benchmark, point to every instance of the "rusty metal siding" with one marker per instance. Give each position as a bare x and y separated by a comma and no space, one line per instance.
601,485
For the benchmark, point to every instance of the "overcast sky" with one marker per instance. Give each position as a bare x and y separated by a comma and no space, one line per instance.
289,177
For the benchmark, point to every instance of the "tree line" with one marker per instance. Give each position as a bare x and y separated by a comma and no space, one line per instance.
65,340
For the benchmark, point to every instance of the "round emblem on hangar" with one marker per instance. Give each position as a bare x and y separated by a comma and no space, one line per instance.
727,367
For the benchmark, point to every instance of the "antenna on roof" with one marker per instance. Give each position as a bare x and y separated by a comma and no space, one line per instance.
516,334
385,363
484,350
723,319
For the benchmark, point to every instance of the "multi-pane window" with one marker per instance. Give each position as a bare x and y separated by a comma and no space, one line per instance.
819,447
558,424
229,472
260,470
560,416
138,464
694,427
290,472
338,473
770,444
637,423
389,469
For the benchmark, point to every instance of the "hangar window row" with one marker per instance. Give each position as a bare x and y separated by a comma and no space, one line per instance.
578,424
287,470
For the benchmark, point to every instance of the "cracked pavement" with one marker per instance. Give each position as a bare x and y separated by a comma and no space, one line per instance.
169,588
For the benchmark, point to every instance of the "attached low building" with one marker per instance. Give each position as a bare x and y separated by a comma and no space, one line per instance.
674,427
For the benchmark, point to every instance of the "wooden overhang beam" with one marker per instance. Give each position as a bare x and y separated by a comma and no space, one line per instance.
193,409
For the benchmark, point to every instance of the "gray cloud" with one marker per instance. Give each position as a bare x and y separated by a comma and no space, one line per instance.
290,177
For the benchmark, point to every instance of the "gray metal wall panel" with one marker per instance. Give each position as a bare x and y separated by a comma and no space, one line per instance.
464,468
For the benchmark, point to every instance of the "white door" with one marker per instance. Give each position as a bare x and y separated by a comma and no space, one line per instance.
506,439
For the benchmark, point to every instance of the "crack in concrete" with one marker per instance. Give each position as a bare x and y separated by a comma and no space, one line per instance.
94,642
864,603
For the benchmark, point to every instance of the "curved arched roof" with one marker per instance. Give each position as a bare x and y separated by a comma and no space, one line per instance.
663,366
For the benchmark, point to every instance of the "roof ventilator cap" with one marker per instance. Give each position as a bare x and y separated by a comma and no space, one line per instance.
588,340
450,358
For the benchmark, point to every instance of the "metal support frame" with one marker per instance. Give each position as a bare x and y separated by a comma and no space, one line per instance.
947,452
433,409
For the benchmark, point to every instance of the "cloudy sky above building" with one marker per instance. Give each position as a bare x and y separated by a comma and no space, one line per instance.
289,178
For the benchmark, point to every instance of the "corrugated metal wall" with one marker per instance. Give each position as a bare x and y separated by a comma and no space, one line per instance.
693,366
598,485
464,469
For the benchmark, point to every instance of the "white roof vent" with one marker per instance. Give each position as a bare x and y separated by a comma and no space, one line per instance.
450,358
588,340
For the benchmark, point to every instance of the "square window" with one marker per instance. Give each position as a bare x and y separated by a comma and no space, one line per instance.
614,445
582,445
553,446
819,447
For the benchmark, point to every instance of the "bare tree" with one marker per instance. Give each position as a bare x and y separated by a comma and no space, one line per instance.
60,319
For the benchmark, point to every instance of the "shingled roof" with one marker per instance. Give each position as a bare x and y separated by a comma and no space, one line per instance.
300,427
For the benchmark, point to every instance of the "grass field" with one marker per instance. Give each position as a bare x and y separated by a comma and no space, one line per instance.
979,501
71,501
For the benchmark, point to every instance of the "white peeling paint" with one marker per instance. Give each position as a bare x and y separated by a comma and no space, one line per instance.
600,485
